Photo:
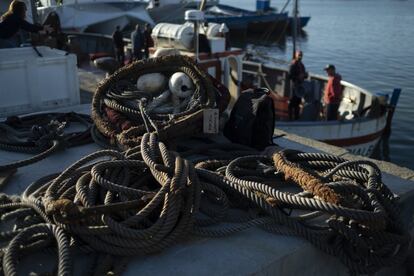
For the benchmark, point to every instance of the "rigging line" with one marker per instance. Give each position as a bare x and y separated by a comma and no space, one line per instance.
266,35
298,25
262,55
285,6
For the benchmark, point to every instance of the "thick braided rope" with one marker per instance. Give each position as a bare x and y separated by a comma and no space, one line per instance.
11,255
308,180
55,146
14,129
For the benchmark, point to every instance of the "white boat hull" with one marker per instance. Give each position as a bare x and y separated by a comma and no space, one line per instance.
99,17
358,136
172,11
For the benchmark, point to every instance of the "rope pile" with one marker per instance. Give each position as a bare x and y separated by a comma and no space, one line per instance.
119,109
148,198
41,135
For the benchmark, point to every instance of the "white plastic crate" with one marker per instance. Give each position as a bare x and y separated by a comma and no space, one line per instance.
29,83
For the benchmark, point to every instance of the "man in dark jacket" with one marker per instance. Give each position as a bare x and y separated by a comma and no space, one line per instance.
297,75
137,43
118,41
148,42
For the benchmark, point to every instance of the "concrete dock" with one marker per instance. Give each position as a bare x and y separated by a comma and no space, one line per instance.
88,80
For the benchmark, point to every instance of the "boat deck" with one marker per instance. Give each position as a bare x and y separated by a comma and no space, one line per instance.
250,252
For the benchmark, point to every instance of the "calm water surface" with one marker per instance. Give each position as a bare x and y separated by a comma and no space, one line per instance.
371,42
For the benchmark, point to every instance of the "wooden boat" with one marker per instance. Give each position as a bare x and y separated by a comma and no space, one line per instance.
363,116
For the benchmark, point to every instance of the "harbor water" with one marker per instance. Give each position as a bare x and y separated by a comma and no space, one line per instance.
371,42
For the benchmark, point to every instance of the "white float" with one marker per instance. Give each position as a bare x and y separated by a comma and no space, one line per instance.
151,83
181,85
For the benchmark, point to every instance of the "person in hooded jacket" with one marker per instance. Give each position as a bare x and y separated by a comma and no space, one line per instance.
14,20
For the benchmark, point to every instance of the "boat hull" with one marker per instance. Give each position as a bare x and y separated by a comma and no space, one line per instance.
280,24
99,17
171,13
302,22
250,21
238,19
357,136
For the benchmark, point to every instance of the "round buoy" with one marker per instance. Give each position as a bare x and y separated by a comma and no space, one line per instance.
181,85
152,83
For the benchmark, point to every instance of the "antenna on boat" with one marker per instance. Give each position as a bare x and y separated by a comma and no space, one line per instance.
295,25
202,7
195,16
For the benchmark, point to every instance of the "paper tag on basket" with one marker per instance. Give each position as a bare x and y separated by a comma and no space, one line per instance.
211,121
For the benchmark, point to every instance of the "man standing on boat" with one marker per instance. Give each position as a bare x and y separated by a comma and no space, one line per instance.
297,75
148,42
333,93
137,42
118,41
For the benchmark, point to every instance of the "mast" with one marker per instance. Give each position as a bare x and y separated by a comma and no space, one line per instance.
195,16
295,25
196,30
202,5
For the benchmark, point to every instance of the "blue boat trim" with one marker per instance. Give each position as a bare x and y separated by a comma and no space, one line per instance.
236,18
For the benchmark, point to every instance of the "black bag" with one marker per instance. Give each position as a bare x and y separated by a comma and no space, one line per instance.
252,119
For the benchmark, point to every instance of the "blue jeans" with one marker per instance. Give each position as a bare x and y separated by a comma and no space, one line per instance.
137,54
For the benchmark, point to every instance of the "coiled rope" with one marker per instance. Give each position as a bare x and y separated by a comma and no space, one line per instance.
42,135
148,198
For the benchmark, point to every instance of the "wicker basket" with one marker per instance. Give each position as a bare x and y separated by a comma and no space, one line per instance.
168,126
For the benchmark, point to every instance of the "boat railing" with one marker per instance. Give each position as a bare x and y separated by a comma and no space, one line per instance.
312,77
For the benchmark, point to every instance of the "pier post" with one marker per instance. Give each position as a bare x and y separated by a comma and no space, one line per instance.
391,108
